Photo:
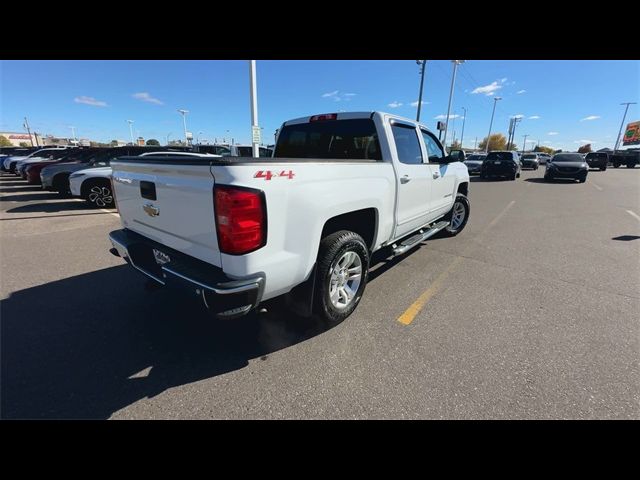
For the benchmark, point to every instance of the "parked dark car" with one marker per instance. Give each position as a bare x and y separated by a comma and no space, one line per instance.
629,157
543,158
530,160
567,166
474,163
501,164
597,160
83,155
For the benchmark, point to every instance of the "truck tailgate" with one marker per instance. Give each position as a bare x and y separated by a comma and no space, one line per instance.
170,201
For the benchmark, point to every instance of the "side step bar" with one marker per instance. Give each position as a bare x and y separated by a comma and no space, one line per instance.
415,240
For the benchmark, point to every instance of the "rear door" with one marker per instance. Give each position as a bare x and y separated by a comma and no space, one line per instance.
413,179
442,175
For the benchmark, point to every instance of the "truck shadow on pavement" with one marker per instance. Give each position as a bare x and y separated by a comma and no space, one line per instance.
27,197
90,345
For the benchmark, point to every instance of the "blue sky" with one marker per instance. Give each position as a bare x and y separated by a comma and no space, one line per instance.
564,103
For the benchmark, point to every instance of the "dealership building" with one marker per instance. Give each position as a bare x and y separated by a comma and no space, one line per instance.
16,138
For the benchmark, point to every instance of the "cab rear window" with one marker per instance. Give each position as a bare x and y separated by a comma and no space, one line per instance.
341,139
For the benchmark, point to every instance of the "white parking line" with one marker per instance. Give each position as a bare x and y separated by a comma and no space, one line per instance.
597,186
634,215
110,212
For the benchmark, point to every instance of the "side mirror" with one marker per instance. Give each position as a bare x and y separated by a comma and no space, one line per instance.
456,156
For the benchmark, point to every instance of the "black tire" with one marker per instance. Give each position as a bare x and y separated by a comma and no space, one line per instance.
450,231
582,179
616,165
332,249
61,185
602,169
631,165
547,178
98,193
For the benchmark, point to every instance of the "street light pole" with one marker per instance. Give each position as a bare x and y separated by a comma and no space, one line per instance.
253,93
26,125
464,119
453,81
73,132
423,65
168,135
524,145
130,122
495,101
622,124
184,124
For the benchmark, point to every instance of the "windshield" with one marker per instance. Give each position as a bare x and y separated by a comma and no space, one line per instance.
596,156
353,139
567,157
529,156
476,157
500,156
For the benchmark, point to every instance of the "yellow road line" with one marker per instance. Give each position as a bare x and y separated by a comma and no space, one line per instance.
410,313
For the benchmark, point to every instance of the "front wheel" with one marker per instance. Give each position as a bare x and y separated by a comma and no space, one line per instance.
602,169
99,194
343,265
458,216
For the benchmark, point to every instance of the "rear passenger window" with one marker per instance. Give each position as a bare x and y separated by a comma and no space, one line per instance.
434,150
407,144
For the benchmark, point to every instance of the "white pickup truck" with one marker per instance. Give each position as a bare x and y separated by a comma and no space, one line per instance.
238,231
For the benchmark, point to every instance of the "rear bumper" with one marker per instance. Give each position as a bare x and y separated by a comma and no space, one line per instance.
223,296
598,164
500,170
558,174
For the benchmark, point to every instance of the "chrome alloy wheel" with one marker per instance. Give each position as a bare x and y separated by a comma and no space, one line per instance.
345,279
459,213
100,196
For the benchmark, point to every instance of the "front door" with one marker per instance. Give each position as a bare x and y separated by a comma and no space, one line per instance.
414,180
443,180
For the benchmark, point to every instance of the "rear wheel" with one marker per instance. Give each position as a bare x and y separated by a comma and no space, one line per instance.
602,169
631,165
616,165
343,265
98,193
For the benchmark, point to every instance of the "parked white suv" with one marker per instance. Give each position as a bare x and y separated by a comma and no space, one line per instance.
238,231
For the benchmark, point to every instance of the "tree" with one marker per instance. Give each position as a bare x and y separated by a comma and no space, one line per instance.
585,148
455,146
24,144
548,150
5,142
512,147
497,141
153,141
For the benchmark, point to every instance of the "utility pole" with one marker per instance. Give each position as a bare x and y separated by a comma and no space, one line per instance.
130,122
495,101
423,67
168,135
475,145
621,125
26,125
184,124
253,91
453,81
464,119
73,132
524,145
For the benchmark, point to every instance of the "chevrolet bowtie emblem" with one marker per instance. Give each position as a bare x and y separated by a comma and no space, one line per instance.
151,210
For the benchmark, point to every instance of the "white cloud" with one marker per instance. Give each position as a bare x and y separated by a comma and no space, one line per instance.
520,92
330,94
590,117
145,97
90,101
488,90
503,80
395,104
451,116
584,142
552,133
350,94
337,96
415,104
534,117
519,115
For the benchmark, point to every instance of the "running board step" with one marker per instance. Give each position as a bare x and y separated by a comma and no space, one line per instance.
415,240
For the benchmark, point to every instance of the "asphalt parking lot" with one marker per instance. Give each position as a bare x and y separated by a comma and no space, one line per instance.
532,312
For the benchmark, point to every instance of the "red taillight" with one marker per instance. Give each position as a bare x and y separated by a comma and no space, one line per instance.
240,219
326,116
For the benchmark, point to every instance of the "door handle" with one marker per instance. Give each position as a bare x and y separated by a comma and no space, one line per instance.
405,179
436,175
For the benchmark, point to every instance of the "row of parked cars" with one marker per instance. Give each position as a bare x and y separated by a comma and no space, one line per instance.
85,171
574,166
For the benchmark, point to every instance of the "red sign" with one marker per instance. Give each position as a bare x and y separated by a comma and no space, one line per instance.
632,134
